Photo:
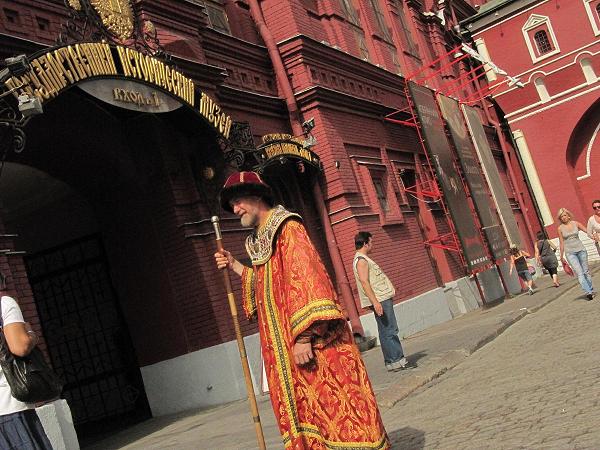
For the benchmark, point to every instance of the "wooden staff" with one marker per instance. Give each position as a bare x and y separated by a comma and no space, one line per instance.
240,341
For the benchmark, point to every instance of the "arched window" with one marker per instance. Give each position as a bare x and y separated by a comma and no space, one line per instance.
542,42
542,91
588,70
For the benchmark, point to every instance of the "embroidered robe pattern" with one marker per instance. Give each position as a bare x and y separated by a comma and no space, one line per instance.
327,405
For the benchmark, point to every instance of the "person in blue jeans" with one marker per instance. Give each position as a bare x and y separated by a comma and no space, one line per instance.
518,261
574,250
377,292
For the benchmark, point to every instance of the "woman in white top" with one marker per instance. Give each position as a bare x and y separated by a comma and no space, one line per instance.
574,250
593,225
20,427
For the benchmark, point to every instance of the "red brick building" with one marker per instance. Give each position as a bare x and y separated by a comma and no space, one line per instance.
105,210
553,48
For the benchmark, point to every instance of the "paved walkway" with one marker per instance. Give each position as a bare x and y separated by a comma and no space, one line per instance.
414,423
534,387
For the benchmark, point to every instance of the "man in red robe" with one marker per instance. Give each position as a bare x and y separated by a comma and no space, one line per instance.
319,388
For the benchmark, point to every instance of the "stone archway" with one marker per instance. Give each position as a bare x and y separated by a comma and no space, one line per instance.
95,187
583,156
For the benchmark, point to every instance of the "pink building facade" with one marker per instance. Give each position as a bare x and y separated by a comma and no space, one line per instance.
553,48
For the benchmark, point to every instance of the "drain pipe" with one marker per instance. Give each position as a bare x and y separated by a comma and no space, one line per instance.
296,123
282,79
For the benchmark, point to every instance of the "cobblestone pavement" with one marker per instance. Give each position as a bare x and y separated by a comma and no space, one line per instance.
534,387
530,387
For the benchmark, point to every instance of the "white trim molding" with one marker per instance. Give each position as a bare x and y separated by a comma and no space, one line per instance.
546,108
534,179
593,16
533,22
562,57
588,154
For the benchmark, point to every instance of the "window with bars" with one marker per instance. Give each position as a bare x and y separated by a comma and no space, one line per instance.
542,42
406,35
380,20
350,12
217,17
395,59
380,190
362,44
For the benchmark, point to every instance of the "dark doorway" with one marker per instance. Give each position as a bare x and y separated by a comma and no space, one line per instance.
88,341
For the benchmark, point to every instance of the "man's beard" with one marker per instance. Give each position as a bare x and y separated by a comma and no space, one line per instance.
248,220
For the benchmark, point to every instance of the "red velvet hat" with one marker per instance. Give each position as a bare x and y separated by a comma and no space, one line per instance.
245,183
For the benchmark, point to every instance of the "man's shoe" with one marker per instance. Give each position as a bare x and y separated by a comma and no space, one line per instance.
398,365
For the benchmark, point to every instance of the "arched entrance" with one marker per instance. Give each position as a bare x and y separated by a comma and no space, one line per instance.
104,170
583,157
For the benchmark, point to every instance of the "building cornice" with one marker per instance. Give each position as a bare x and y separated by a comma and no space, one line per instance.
301,49
233,47
462,9
330,98
495,14
180,14
232,98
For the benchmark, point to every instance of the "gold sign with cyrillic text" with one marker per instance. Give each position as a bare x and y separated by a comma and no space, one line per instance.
278,144
63,67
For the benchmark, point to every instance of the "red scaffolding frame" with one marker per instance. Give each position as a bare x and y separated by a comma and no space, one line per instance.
455,88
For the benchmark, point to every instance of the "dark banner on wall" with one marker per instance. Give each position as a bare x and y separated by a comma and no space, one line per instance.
472,173
490,171
455,198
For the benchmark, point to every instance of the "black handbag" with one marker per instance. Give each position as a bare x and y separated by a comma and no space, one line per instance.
30,378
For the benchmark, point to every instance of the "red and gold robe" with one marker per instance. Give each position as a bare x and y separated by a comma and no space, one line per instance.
329,404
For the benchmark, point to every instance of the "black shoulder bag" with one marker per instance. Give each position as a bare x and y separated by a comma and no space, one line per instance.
30,378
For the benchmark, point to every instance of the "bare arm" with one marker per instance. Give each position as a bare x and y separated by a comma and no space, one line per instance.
20,338
590,229
537,252
581,227
362,268
512,264
561,243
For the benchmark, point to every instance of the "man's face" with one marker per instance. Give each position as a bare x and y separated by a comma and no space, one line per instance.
369,245
246,208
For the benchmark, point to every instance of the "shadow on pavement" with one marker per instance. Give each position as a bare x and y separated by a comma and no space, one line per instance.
407,438
414,358
113,441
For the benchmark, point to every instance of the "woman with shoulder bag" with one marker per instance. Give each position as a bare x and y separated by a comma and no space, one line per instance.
546,257
574,250
20,427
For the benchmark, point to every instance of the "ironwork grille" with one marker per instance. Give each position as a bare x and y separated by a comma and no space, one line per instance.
88,342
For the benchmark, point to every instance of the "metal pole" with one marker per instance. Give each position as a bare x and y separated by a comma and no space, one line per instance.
240,341
479,289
